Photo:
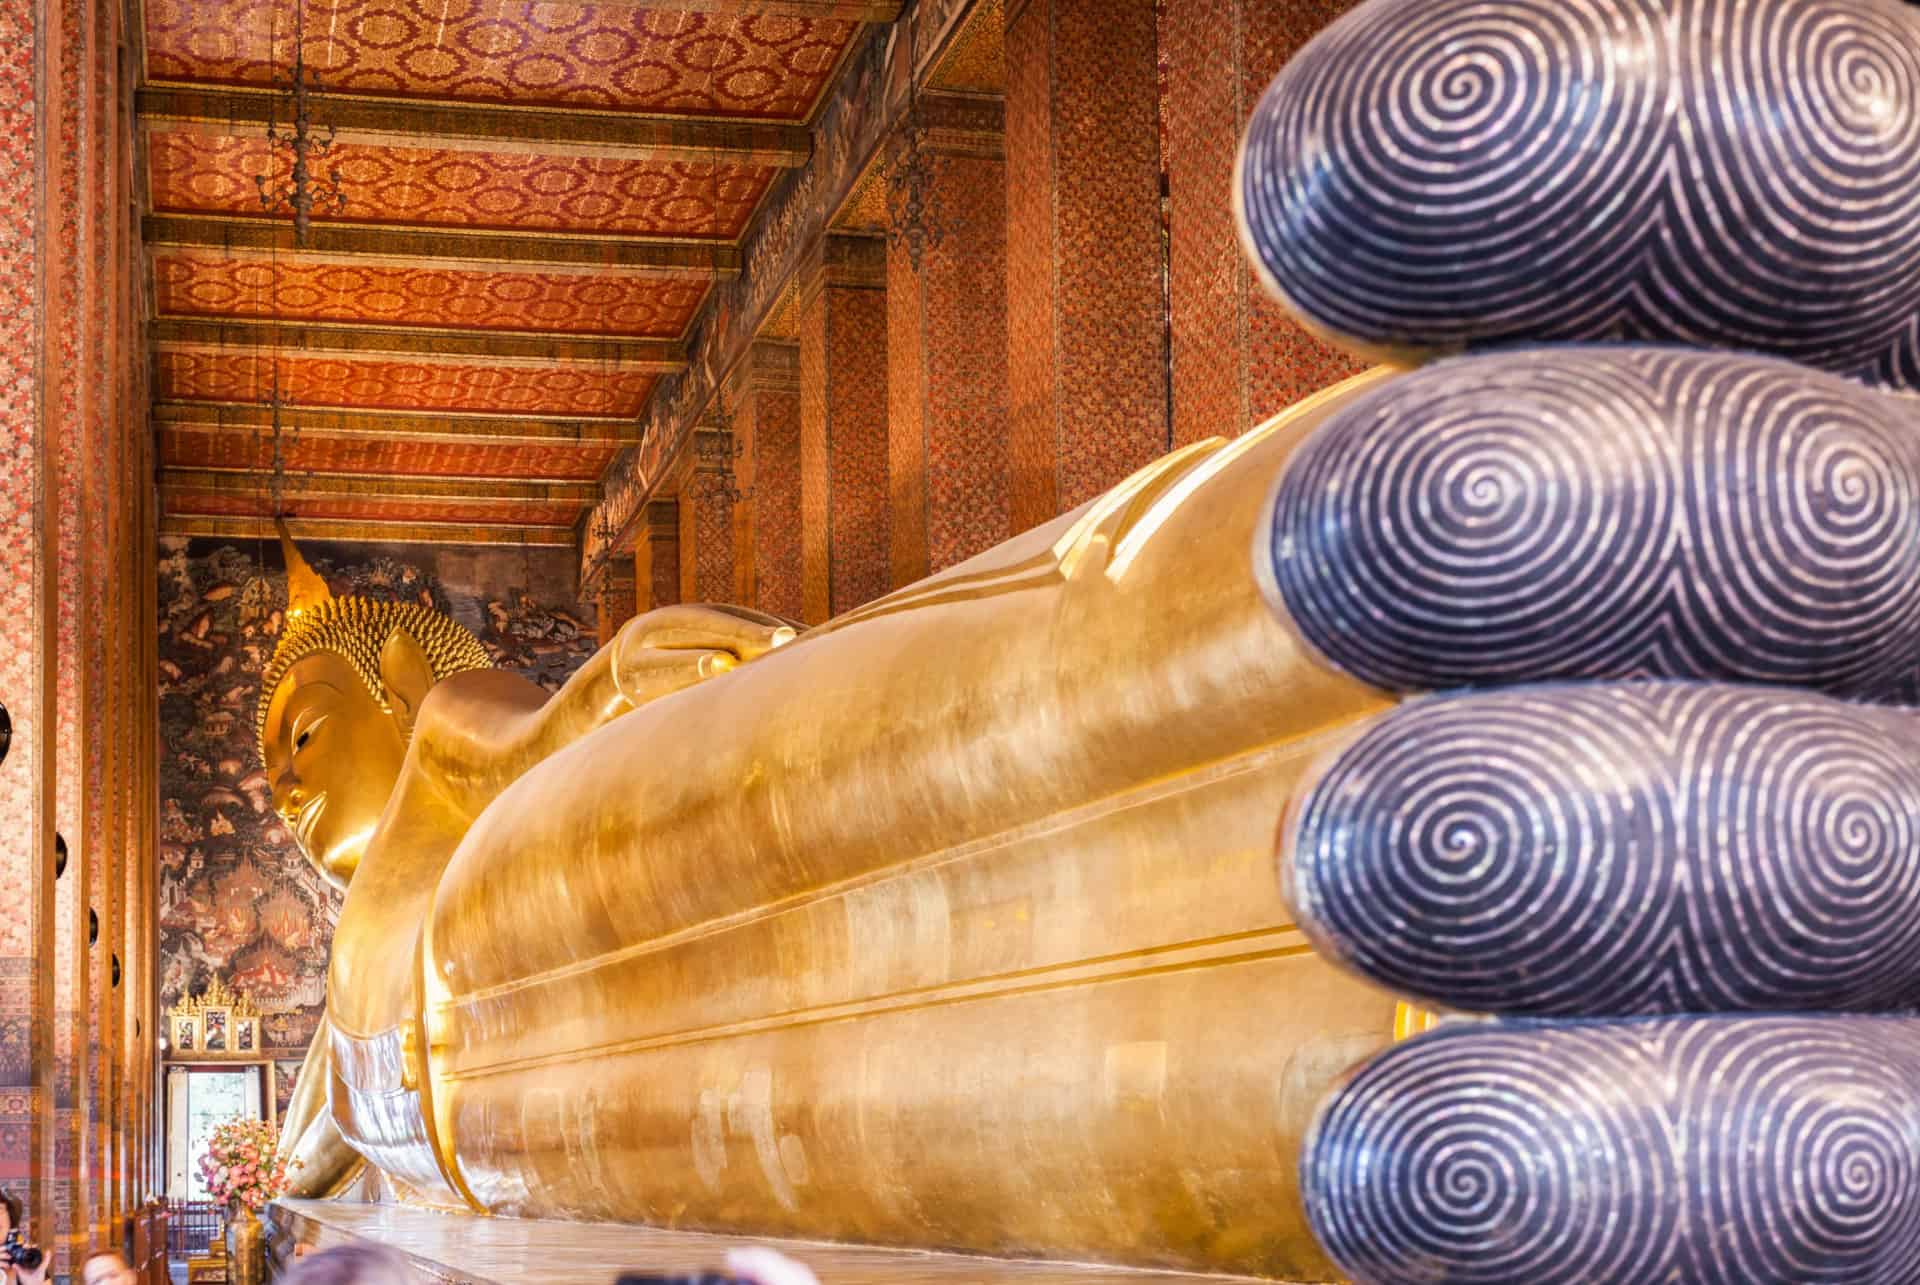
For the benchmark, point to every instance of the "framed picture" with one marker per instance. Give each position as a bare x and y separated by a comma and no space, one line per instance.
186,1034
213,1029
246,1034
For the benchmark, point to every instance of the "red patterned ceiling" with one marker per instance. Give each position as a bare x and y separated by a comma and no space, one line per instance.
198,174
209,448
397,384
214,285
375,509
619,57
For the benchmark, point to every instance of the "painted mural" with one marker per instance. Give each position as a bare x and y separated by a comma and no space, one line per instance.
237,900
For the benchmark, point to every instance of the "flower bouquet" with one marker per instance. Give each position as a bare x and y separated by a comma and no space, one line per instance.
240,1167
241,1170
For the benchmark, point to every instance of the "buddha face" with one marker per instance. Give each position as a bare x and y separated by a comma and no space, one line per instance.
333,756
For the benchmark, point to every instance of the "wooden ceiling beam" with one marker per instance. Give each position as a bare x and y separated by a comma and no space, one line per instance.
175,334
208,481
439,427
361,532
424,247
384,122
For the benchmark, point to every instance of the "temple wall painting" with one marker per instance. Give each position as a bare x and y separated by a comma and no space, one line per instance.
237,900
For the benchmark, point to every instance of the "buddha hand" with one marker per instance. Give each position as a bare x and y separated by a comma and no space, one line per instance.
675,647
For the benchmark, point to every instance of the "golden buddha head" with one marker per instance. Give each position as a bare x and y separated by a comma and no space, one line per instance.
337,705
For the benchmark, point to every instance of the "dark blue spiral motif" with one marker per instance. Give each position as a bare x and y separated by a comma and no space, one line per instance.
1621,849
1715,1151
1603,512
1431,174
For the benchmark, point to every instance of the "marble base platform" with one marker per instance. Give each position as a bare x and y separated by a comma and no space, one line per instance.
511,1251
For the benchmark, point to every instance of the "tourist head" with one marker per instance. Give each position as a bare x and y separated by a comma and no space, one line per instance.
360,1264
22,1262
337,704
106,1268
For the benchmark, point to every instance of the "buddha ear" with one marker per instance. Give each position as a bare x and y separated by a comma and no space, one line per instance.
407,677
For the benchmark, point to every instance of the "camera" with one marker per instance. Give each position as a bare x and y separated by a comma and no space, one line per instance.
19,1253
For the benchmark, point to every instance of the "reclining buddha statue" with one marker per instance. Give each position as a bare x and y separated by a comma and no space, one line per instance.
951,922
1572,669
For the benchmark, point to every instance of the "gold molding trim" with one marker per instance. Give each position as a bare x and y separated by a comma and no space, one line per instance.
443,247
390,486
186,334
440,426
548,131
231,528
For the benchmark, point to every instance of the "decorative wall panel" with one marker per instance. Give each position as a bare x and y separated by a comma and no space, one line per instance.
1238,358
1086,297
521,191
776,503
618,56
243,376
237,900
600,303
947,379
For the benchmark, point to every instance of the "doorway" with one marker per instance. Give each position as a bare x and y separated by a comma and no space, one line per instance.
199,1099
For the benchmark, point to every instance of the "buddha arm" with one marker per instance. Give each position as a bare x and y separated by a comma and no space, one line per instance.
322,1162
479,732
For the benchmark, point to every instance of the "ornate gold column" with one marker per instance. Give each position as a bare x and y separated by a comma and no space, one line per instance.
843,426
1086,306
947,352
763,405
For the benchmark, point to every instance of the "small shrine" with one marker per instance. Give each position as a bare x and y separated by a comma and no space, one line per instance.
217,1023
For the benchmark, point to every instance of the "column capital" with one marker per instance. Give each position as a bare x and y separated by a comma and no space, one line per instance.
844,261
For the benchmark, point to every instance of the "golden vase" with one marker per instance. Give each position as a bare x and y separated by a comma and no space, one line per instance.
246,1247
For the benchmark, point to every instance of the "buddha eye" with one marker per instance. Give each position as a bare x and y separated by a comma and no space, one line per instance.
305,734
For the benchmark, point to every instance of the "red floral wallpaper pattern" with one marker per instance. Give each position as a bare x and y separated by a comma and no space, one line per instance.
617,57
1087,341
421,186
403,385
209,448
599,303
1238,357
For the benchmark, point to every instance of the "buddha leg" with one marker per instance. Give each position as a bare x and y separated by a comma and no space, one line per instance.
951,923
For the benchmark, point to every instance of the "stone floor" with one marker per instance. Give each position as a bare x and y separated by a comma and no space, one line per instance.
506,1251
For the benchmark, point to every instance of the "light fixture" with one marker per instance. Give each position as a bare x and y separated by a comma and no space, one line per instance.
301,191
913,203
716,454
275,442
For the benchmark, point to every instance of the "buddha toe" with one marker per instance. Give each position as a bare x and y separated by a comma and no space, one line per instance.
1716,1151
1429,175
1621,849
1606,513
